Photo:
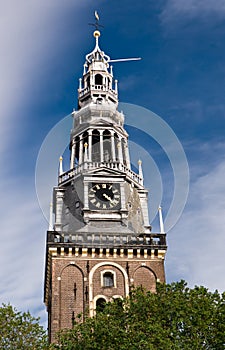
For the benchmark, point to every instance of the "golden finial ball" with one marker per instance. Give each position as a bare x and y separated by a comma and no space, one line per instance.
96,33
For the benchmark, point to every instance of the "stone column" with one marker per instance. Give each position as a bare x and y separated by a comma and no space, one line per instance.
101,146
120,153
113,150
59,209
127,154
81,150
90,145
85,195
72,155
85,152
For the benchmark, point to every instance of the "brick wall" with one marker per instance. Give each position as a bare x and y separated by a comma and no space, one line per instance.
77,285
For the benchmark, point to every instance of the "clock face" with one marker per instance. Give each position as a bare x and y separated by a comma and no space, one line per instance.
104,196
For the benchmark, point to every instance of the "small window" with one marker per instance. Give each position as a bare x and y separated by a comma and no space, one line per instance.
108,279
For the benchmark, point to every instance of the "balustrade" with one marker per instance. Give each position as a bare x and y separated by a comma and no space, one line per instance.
104,88
154,240
95,165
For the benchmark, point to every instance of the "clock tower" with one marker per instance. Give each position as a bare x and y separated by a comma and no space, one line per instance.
100,244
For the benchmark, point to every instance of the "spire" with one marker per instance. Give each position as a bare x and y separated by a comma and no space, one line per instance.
98,85
50,228
140,171
97,55
161,220
60,165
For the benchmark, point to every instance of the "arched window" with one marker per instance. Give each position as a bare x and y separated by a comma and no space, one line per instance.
123,144
77,148
109,84
100,304
95,146
98,79
116,140
108,279
106,146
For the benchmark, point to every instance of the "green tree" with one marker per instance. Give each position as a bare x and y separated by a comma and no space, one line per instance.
20,331
174,318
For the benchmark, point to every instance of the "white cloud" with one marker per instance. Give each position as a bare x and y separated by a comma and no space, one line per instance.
196,244
22,247
176,10
30,33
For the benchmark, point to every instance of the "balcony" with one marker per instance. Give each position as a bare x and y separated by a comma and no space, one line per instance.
97,88
86,166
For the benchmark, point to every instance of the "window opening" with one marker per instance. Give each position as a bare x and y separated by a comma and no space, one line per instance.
98,79
108,279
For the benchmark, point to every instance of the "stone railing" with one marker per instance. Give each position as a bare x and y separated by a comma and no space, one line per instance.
105,88
154,240
96,165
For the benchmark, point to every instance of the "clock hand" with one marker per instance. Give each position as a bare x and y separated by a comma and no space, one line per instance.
107,197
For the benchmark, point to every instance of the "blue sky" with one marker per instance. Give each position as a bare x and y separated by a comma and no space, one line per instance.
181,77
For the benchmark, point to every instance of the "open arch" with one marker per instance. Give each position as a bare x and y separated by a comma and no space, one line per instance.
100,304
107,145
95,146
77,149
98,79
99,299
88,82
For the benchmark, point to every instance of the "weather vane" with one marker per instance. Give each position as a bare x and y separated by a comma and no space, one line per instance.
97,34
96,24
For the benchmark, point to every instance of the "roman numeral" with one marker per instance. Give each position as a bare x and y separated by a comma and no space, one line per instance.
113,203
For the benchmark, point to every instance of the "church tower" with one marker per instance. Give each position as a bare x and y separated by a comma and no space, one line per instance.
100,243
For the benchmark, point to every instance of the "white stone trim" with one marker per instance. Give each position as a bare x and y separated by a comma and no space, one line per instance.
126,281
96,298
117,296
